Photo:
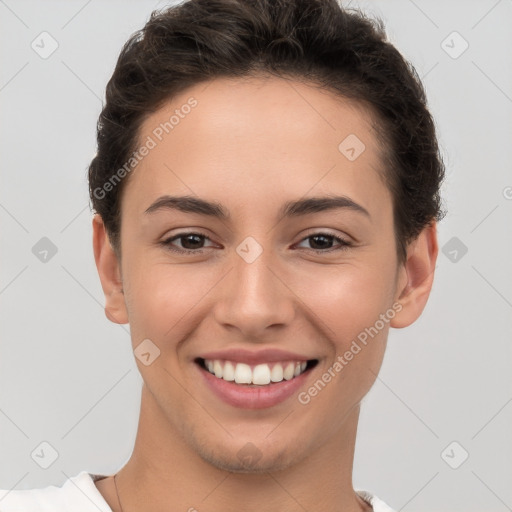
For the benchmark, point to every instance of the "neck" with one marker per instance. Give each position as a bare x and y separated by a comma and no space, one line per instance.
164,470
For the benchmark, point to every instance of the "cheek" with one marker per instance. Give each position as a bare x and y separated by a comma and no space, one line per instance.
350,305
347,299
162,298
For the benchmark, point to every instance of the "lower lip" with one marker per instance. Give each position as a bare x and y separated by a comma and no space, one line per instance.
253,397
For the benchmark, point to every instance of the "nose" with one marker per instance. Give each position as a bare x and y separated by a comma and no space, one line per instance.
254,297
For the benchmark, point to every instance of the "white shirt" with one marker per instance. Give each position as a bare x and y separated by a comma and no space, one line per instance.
79,494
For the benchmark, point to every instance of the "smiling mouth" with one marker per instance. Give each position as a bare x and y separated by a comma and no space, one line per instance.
264,374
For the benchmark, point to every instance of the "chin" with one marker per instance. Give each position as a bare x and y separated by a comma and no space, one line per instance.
248,458
234,464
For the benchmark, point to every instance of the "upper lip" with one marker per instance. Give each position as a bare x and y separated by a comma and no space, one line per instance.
267,355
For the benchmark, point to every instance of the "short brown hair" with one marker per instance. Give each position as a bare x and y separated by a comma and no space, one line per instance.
317,41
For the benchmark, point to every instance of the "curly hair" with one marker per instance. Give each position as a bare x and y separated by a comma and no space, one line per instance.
317,41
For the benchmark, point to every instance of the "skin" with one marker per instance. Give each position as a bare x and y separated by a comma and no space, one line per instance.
251,145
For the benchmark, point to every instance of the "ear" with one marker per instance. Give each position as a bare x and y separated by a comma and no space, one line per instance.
416,277
109,271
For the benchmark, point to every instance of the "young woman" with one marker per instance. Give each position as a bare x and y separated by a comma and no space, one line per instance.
266,192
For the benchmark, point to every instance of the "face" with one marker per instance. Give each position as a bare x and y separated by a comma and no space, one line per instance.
278,278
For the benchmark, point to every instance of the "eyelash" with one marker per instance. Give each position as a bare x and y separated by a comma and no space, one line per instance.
344,244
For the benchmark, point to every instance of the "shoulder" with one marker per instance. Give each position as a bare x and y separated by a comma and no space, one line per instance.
78,493
376,503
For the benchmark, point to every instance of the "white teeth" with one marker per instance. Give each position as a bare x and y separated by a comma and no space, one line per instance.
261,374
276,375
243,374
229,371
217,369
288,371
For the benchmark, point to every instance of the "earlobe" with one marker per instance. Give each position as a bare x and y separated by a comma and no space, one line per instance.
416,277
109,272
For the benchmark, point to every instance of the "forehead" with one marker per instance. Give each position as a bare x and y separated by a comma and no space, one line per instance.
255,139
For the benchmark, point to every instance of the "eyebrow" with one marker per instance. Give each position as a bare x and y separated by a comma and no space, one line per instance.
307,206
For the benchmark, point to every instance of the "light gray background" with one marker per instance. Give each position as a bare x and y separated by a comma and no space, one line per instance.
67,375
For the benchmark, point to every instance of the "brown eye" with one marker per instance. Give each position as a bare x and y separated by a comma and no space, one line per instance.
323,242
190,242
